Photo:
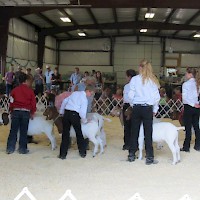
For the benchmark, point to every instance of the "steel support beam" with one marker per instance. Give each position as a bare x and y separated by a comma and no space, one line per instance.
4,26
122,25
41,48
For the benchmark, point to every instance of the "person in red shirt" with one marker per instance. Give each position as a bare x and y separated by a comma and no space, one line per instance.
22,107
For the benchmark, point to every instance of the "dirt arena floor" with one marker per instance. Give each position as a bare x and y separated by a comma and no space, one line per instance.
105,177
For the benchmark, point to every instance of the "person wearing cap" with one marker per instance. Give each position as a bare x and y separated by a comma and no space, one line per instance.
16,78
39,81
48,75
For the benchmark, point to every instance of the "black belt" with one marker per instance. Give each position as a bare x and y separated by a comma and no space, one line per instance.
143,105
71,111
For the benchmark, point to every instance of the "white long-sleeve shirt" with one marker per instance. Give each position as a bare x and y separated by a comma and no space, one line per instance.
189,92
146,93
126,90
78,102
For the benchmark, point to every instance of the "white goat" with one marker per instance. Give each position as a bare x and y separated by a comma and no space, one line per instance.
91,131
163,131
100,119
36,126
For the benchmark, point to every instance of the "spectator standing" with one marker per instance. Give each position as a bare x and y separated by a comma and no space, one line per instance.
28,72
99,85
48,75
75,77
190,93
17,75
22,107
39,82
9,77
56,80
144,97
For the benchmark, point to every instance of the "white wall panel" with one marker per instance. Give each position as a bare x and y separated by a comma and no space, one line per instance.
22,29
24,53
50,42
93,44
182,45
50,56
84,58
128,54
189,60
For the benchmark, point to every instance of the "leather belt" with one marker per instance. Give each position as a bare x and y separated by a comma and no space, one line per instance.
22,109
143,105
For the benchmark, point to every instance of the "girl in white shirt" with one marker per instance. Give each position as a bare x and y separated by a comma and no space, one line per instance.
190,93
144,96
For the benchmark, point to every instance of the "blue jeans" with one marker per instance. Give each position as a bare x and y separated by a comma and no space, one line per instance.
8,89
48,86
19,123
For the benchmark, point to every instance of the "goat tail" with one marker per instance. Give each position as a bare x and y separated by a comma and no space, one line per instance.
180,128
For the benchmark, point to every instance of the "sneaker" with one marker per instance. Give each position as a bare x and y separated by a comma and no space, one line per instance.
83,154
23,151
151,161
62,157
9,151
131,157
184,149
197,148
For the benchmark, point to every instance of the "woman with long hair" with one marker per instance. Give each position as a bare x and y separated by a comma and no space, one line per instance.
190,94
144,97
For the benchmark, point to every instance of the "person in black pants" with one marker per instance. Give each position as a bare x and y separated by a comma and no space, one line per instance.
127,122
190,93
74,109
144,96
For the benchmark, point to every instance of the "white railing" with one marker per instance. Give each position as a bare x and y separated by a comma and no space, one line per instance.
104,106
68,195
41,103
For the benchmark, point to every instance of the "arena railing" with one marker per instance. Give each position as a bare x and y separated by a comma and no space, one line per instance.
104,106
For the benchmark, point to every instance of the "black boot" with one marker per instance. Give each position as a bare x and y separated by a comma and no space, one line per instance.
150,161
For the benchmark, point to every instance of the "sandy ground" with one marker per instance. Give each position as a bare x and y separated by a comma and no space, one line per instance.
105,177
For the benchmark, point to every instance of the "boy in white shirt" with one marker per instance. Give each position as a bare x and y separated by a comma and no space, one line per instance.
74,109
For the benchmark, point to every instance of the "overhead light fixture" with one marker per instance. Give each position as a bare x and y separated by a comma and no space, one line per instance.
143,30
65,19
149,15
197,35
81,34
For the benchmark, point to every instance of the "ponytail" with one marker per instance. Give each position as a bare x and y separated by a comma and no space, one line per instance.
147,72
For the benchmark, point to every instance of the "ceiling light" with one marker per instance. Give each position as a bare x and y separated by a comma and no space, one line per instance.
82,34
197,35
149,15
65,19
143,30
